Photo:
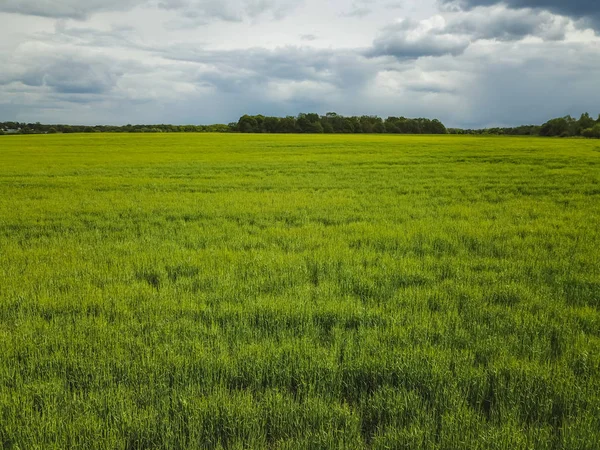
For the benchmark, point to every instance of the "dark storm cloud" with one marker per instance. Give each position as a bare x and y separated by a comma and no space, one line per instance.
589,10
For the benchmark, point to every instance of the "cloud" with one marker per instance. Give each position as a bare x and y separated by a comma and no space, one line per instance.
507,24
199,11
411,40
114,37
476,66
76,9
453,33
309,37
202,11
588,10
63,72
358,12
521,85
360,9
69,76
238,70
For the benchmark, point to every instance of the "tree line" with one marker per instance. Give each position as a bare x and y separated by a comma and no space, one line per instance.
567,126
38,128
303,123
335,123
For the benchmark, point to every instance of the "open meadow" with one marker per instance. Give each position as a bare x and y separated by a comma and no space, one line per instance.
227,291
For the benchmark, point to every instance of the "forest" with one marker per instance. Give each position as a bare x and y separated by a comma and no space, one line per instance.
311,123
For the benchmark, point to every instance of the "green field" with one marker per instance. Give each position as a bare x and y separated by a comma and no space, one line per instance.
198,291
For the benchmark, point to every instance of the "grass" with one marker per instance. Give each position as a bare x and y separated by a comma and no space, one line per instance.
282,292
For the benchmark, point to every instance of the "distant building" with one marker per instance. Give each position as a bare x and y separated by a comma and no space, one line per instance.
12,131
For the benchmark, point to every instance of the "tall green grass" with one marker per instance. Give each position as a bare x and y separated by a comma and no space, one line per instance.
255,291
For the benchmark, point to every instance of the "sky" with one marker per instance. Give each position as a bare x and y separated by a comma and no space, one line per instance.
469,63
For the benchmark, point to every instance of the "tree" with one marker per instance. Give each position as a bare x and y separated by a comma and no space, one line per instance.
316,127
287,125
371,124
303,123
327,127
271,124
333,121
391,125
247,124
555,127
309,123
356,124
378,126
366,124
585,121
438,127
260,123
593,132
